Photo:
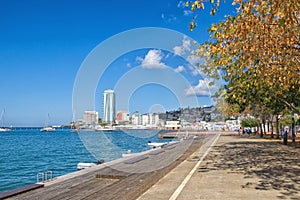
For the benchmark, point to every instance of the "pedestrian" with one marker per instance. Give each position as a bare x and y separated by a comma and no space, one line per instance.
248,131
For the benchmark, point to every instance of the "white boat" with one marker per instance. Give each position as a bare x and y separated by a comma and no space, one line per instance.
128,154
104,128
4,129
156,144
81,166
160,144
74,129
47,128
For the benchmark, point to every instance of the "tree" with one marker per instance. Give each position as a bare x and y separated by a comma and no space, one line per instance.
249,122
258,52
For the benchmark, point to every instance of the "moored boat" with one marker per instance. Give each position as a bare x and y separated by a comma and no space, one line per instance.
48,129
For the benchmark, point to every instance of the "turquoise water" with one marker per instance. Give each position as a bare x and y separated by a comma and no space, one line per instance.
24,153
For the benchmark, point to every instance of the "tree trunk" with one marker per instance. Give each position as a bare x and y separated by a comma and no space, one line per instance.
264,127
272,129
277,127
293,126
261,130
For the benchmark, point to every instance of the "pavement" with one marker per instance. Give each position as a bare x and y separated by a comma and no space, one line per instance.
233,167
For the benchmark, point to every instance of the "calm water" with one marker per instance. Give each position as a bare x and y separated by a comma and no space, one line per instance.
24,153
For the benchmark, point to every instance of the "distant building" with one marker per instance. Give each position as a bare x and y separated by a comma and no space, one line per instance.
123,116
109,106
172,125
136,119
150,119
90,117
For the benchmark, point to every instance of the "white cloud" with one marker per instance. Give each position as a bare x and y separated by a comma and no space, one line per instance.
152,60
181,4
202,89
128,65
184,48
187,12
168,18
179,69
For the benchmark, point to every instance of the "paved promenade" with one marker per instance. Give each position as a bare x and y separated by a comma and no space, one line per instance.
235,167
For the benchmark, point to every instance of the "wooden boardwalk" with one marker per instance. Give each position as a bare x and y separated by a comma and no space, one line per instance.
126,178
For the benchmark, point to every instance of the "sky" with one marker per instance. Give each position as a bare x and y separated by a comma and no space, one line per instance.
44,44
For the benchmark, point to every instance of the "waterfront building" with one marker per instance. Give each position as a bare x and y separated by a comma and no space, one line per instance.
90,117
136,119
123,116
150,120
172,125
109,106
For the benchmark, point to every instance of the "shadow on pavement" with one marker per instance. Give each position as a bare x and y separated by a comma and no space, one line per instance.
276,166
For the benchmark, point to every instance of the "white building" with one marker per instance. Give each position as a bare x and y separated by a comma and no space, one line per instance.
90,117
109,106
136,119
172,125
150,120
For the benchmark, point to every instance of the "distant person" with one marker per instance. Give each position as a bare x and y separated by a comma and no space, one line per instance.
240,130
282,132
248,131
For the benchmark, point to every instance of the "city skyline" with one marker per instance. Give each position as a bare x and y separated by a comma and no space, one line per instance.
43,45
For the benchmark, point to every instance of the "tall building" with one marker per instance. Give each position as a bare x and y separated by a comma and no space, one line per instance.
109,106
90,117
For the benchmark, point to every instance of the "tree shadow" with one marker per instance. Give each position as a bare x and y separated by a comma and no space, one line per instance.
277,166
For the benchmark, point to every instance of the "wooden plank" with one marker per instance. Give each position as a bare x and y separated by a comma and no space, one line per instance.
136,159
156,152
20,190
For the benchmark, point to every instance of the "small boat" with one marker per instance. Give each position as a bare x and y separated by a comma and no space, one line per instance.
48,129
156,144
104,128
128,154
4,129
74,129
83,165
160,144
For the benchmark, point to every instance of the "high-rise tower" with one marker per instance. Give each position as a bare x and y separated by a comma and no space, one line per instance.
109,106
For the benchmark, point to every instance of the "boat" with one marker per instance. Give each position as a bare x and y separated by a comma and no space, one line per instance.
73,125
81,166
128,154
161,144
104,128
3,128
47,128
156,144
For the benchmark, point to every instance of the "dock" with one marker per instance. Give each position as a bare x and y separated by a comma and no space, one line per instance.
125,178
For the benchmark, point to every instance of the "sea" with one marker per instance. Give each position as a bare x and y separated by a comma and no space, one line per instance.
26,152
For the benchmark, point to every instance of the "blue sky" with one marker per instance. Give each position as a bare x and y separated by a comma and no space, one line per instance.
43,44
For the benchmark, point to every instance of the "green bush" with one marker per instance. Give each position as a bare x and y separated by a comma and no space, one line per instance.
249,122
